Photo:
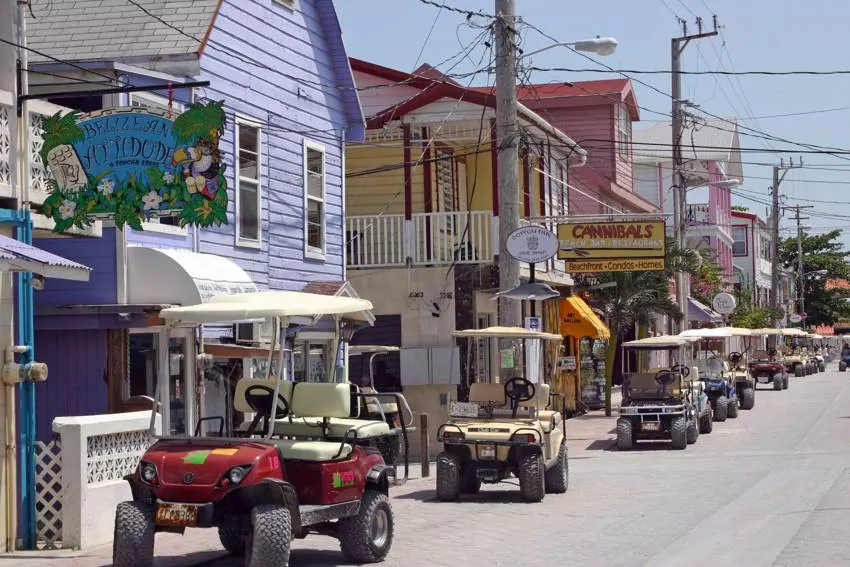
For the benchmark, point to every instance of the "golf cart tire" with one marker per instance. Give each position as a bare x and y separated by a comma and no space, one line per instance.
693,432
469,483
557,479
748,398
232,538
531,476
822,367
132,543
268,544
842,366
356,538
448,477
706,423
799,370
625,434
721,408
778,381
786,382
732,408
679,433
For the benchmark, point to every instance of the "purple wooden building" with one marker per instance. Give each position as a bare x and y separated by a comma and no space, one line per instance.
281,69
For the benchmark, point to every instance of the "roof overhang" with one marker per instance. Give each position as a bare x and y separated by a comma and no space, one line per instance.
16,256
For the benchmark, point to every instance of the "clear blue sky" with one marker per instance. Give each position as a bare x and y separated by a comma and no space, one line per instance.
755,35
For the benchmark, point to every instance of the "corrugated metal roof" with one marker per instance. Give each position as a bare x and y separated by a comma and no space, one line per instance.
114,29
20,257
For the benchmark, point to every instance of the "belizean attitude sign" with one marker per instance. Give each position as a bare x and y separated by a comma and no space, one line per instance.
130,164
619,246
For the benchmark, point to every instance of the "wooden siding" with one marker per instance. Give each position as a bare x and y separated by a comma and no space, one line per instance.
281,93
371,193
76,386
591,129
96,253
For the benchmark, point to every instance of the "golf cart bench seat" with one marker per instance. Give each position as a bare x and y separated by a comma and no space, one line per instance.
712,367
487,392
644,385
375,405
318,451
309,409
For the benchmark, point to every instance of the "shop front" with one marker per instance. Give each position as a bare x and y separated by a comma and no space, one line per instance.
583,363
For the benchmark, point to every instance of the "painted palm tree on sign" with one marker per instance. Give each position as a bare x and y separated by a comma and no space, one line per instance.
639,296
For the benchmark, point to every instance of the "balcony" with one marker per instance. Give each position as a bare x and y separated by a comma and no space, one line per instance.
432,239
698,214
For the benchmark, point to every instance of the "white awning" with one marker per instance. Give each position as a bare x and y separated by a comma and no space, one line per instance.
181,277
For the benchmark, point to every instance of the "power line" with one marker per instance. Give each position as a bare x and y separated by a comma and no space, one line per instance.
669,72
57,60
468,13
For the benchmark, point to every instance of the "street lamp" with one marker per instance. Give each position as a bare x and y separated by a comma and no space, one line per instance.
601,46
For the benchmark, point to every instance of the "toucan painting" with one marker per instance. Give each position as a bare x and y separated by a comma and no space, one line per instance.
204,163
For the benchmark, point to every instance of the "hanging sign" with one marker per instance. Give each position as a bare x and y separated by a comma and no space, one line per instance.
724,303
532,244
621,246
130,164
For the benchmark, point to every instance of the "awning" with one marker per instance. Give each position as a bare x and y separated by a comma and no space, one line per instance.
703,313
578,320
15,256
181,277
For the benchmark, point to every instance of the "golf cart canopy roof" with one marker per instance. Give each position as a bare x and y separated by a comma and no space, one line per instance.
717,332
815,336
262,304
354,350
508,333
661,342
794,332
788,332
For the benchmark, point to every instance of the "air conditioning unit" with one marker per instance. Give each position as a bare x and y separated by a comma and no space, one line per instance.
258,332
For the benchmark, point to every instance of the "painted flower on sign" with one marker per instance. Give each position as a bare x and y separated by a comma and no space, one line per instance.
67,209
168,177
106,187
151,200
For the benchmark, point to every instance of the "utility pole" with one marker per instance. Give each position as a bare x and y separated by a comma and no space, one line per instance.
779,172
507,138
801,274
680,183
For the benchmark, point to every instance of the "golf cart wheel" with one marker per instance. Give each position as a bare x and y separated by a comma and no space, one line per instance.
732,408
778,381
557,479
469,482
448,477
748,398
786,382
368,536
798,370
132,542
679,433
842,366
232,538
721,408
822,367
693,432
531,477
706,423
625,438
268,542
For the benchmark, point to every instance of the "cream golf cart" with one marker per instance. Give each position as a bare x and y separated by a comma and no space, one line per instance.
664,399
504,428
815,355
795,356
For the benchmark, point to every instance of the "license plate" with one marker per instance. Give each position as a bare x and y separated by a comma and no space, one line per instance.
487,452
763,379
650,426
171,514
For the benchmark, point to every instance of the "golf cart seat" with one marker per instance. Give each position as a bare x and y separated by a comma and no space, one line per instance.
317,451
643,385
323,410
549,419
761,355
374,405
488,392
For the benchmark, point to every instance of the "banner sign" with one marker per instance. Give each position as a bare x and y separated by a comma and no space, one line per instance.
130,164
619,246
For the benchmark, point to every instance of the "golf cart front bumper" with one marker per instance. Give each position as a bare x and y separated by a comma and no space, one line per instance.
486,448
651,421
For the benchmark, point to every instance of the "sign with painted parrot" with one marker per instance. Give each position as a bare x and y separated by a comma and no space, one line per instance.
131,164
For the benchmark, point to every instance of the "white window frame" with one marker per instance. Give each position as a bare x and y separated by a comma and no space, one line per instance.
155,100
745,241
241,241
313,252
624,130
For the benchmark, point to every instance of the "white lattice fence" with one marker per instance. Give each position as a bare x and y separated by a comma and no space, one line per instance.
48,494
113,456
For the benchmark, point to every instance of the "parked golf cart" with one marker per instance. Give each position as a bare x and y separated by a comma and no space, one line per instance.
794,355
504,428
815,355
767,365
666,401
371,406
261,488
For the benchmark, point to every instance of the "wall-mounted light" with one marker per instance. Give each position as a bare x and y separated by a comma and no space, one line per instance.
37,282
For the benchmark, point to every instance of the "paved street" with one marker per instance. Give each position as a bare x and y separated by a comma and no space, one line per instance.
769,488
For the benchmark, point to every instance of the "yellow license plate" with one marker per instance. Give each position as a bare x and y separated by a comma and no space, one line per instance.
487,452
171,514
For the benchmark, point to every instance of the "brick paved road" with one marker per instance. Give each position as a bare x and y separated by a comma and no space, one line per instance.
770,488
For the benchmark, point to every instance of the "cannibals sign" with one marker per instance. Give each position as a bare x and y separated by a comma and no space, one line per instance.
621,246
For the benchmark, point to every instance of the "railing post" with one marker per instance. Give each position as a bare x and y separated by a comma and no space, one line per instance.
425,445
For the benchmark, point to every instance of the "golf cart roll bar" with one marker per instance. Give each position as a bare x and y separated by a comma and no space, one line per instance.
398,398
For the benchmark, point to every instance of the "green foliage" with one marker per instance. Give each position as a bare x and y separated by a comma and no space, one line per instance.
60,129
200,121
820,252
740,208
748,315
708,281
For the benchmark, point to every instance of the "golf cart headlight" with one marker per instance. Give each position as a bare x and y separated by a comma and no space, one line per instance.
236,475
147,472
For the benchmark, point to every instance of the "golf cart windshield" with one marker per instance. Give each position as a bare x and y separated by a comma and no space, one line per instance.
662,364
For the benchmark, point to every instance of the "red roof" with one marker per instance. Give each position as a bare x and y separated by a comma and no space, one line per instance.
837,283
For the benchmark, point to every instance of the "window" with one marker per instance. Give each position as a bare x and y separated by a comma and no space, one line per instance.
739,237
248,184
624,128
286,3
765,247
314,200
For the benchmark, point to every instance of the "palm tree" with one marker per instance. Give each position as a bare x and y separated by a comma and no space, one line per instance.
639,296
60,129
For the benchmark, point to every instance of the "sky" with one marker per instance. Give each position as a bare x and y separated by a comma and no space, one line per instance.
756,35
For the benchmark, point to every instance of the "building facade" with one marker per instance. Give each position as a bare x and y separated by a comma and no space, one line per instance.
752,248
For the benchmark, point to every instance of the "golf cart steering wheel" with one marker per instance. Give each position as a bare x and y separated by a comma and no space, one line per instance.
680,368
519,389
259,400
735,357
771,352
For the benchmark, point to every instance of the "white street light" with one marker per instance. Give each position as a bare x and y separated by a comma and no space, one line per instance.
599,45
734,182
